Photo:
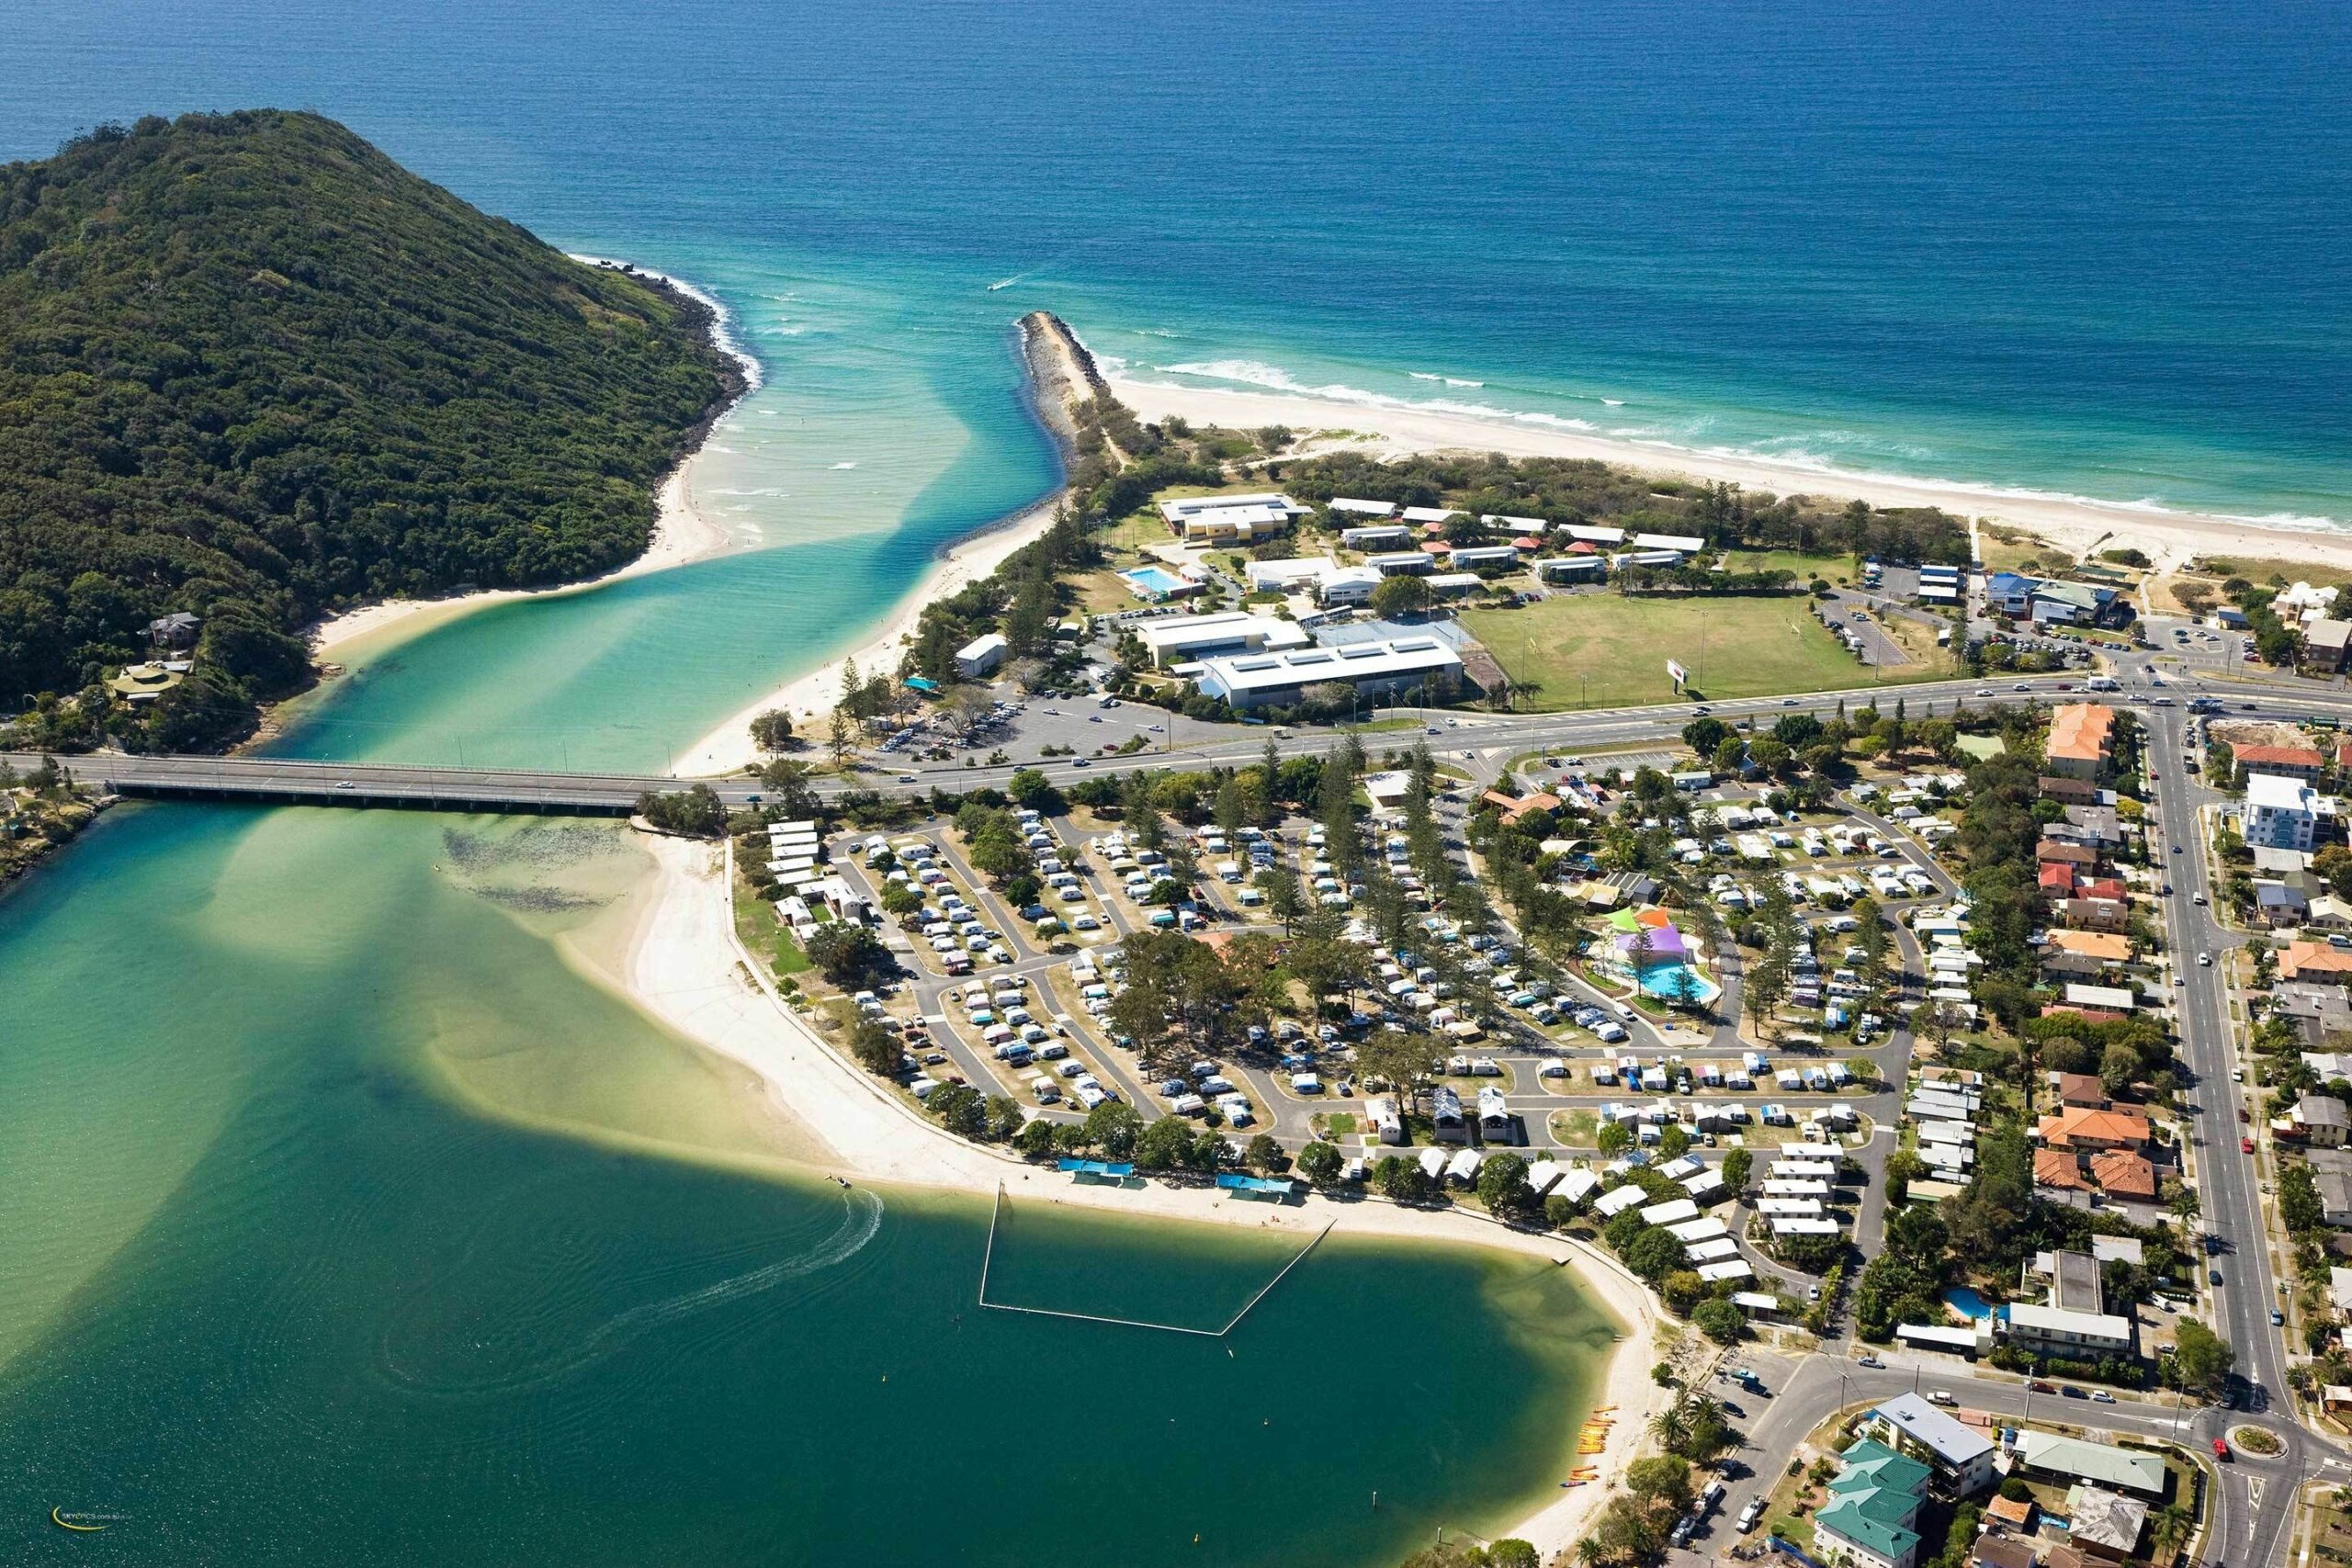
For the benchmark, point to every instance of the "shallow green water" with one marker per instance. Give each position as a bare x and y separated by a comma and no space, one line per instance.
345,1221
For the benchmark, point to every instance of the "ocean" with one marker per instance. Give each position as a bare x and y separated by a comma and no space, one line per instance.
360,1223
2092,250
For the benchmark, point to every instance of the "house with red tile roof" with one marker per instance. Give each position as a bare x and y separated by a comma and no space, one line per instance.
2122,1174
2080,1128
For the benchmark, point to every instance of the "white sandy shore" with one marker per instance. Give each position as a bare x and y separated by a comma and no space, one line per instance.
728,749
2169,537
1057,382
680,533
686,967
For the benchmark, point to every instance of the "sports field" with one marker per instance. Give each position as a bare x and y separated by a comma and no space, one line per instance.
1603,650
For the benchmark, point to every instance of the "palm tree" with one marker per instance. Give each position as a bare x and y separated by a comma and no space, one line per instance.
2171,1527
1671,1427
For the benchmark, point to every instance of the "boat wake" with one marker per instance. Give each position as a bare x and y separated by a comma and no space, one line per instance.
547,1365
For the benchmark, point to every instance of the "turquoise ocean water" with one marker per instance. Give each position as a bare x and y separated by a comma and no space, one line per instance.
345,1220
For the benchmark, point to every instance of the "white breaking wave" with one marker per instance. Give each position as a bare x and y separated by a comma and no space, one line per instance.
1613,403
1448,380
1251,372
1779,451
722,319
844,464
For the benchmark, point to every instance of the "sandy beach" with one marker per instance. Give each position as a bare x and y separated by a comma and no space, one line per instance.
1058,377
686,967
728,749
680,533
2169,537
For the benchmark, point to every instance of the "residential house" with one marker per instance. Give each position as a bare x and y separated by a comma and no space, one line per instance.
2069,792
2119,1173
2086,952
2082,1091
2335,1198
2083,912
2103,1523
2112,1001
2320,1013
2099,826
2320,1119
2280,813
2283,901
176,630
2318,962
2078,1128
2080,860
2103,1464
1995,1550
2058,1170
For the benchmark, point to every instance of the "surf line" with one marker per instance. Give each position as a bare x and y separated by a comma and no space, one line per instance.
988,1256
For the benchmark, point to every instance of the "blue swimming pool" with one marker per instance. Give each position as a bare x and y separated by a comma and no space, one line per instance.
1680,982
1967,1302
1154,582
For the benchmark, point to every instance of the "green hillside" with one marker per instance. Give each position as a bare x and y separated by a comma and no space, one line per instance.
251,369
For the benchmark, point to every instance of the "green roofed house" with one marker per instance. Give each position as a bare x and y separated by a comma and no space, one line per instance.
1874,1506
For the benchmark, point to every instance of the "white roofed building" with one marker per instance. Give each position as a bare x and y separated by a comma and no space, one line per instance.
1279,679
1180,638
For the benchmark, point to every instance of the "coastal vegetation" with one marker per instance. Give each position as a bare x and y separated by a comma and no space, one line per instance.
39,811
1563,490
255,371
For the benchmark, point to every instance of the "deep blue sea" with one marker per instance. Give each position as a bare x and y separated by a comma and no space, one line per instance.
2092,248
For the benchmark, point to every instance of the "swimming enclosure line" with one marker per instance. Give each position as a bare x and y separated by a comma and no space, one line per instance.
988,1256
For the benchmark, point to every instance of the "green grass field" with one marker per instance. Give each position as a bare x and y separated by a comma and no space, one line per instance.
1733,647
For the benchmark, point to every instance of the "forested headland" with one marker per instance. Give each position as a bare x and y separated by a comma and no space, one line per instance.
252,370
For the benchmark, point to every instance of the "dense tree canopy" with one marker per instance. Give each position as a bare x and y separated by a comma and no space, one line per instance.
251,369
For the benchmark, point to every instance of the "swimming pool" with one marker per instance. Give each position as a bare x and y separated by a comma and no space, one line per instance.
1675,982
1153,582
1967,1302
